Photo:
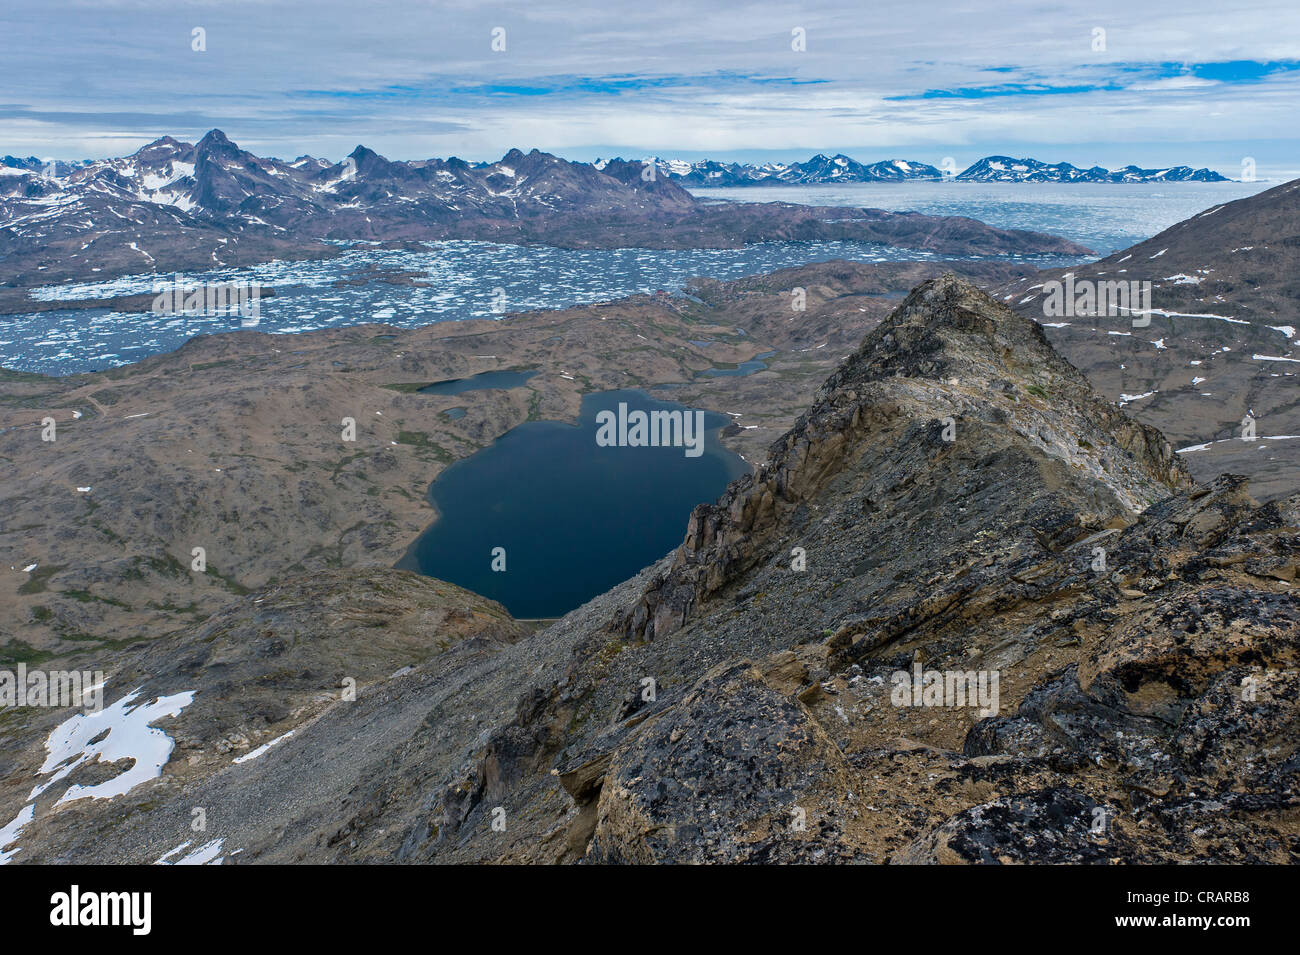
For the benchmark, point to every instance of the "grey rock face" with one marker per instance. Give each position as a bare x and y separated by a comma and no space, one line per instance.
970,516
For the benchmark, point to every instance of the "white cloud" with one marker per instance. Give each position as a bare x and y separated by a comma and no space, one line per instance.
288,76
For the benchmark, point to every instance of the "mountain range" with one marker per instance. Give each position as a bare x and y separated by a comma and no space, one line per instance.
1006,169
942,480
175,206
822,169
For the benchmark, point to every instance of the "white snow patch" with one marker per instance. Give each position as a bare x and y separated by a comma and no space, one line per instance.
1161,311
262,749
9,834
208,854
121,732
1125,399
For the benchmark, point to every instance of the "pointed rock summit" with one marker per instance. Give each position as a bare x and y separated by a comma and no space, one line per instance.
214,139
954,407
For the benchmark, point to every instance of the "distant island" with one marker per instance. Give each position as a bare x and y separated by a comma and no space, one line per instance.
823,170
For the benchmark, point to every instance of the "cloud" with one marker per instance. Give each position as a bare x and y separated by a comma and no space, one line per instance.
415,79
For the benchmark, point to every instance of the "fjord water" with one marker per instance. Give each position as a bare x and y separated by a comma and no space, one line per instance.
575,518
1106,217
458,279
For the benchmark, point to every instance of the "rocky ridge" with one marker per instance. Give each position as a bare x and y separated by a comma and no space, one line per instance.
1144,629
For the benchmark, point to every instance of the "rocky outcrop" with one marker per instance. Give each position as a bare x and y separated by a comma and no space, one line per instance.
724,774
967,613
948,370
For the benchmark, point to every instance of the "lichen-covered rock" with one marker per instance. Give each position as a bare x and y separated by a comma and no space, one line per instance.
1058,826
735,772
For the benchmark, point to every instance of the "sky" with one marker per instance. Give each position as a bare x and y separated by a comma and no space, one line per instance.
1155,82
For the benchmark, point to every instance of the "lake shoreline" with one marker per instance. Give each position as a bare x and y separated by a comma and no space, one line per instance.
513,452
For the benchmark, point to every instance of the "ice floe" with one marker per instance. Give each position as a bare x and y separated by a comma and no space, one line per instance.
452,288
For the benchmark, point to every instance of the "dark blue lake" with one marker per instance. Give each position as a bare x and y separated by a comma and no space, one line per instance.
574,518
483,382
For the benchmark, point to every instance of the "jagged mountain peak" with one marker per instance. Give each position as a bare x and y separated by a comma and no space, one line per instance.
165,145
214,137
214,148
954,405
370,163
365,154
953,307
947,329
950,332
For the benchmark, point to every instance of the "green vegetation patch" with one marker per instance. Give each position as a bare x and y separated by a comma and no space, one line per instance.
85,596
35,584
16,651
418,439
